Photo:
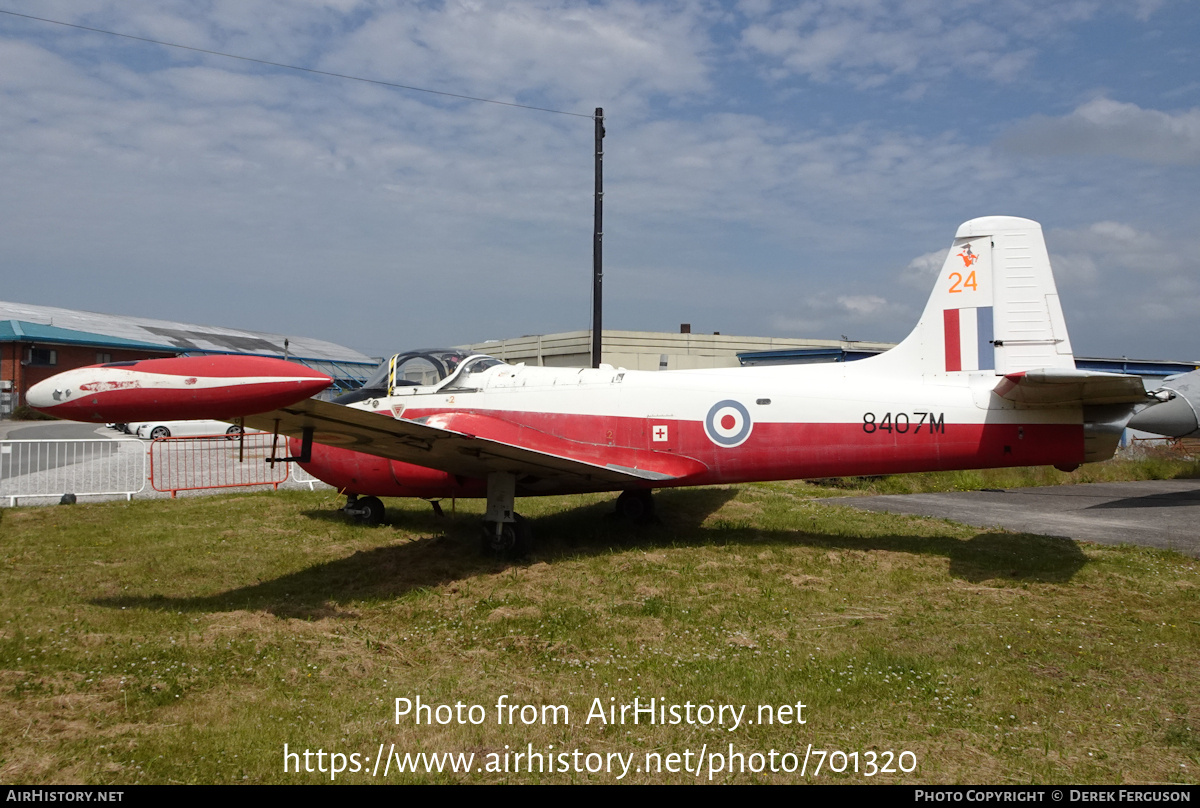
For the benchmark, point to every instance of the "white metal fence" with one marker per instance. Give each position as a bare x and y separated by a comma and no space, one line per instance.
47,469
83,467
301,476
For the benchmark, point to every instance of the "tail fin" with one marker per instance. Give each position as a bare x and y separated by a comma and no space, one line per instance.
995,306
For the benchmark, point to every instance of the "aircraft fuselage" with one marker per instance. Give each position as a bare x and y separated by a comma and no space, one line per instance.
717,426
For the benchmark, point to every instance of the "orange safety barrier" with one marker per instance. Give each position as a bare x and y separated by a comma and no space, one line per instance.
216,461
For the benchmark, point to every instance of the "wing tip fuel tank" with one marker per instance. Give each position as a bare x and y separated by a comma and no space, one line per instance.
218,387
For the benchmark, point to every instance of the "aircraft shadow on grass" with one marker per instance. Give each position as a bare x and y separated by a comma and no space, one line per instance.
391,571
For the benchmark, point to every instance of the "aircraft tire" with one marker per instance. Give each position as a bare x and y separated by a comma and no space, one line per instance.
370,510
636,505
515,539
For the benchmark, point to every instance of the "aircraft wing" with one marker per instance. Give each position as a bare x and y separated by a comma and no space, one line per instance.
472,445
1066,387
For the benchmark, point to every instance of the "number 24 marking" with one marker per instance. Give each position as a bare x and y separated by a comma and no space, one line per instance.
958,284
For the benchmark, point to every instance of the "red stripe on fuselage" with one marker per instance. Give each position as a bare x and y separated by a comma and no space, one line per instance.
774,451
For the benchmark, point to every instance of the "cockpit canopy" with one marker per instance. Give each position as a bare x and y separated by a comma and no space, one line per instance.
415,368
423,368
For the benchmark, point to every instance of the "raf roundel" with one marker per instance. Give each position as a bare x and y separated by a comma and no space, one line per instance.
728,423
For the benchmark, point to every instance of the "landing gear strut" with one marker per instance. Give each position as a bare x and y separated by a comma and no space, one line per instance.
505,533
368,510
507,539
636,505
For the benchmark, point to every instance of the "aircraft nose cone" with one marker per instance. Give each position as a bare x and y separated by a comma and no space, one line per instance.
47,394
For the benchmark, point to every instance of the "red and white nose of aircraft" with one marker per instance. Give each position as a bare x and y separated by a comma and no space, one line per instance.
219,387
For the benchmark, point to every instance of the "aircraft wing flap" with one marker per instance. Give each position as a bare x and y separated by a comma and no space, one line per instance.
448,450
1067,387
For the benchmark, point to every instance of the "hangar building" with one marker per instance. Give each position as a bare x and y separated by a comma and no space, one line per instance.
648,350
651,350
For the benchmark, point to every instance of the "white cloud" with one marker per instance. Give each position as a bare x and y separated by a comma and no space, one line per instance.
869,43
825,315
1145,8
1105,127
575,54
1076,270
792,325
922,270
1119,246
862,304
1126,286
385,218
820,189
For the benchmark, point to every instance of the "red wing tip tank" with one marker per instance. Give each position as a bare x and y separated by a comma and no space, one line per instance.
183,388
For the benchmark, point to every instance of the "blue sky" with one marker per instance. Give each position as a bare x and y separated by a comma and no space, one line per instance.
772,169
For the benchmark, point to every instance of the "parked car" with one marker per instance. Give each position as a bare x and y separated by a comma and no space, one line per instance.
181,429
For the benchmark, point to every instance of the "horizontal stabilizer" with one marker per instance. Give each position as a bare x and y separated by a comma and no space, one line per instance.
1064,387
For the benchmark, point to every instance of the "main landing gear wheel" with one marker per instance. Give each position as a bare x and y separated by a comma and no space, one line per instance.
368,510
636,505
513,540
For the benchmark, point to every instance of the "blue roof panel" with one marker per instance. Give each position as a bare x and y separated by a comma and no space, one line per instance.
22,331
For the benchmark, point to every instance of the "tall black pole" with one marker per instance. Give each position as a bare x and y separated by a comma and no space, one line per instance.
598,242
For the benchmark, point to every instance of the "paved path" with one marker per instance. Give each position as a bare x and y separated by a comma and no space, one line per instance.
54,430
1153,513
44,457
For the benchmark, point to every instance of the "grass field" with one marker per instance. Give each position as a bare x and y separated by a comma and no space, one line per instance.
188,641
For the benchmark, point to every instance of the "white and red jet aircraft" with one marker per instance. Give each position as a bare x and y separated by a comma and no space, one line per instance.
986,379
